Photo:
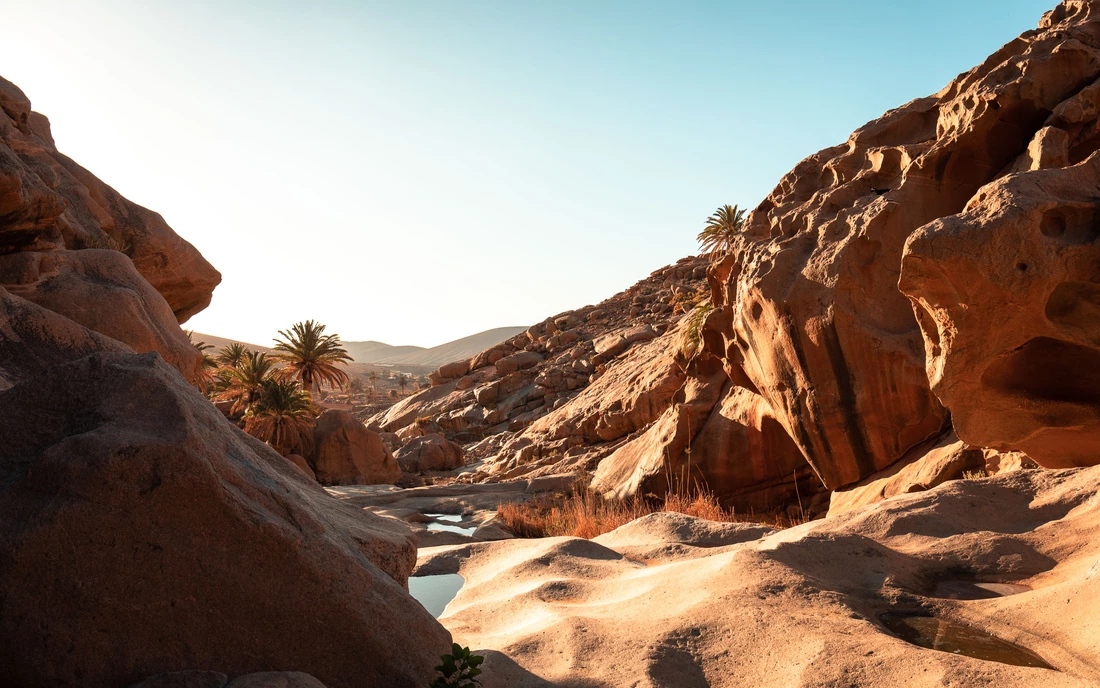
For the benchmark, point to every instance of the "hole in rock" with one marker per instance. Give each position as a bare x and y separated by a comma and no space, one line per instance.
1071,224
434,593
1022,267
1049,370
946,636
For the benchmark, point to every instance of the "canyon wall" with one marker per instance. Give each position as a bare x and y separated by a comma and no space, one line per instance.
142,533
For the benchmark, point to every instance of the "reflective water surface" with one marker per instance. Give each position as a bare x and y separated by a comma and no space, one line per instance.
435,592
946,636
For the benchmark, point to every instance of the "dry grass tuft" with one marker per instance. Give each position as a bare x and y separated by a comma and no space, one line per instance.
586,514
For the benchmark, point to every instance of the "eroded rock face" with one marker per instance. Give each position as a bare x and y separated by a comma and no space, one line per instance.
1009,296
165,539
347,453
429,453
101,290
817,323
49,202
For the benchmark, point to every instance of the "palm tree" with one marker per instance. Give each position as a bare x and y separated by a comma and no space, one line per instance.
244,384
402,382
717,237
312,356
232,355
355,385
283,416
373,377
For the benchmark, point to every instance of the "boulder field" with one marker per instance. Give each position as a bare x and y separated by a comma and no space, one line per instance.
933,277
146,539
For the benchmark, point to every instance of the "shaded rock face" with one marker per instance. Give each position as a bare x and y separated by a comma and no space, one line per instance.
48,202
347,453
101,290
165,539
429,453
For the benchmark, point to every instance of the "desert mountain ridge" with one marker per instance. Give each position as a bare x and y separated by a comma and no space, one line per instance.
405,355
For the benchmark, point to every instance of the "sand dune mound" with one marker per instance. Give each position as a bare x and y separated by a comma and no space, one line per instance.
801,607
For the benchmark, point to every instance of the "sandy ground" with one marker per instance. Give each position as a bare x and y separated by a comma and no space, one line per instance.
672,601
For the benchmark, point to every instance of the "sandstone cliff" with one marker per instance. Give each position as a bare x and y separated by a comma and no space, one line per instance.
142,532
816,370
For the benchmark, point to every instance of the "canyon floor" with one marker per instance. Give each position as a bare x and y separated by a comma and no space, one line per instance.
672,600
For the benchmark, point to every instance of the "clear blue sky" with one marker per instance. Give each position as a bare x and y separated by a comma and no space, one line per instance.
414,172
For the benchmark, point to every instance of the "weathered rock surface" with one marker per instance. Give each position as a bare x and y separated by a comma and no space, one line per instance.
724,605
1010,302
922,469
165,539
429,453
101,290
579,381
33,339
347,453
48,202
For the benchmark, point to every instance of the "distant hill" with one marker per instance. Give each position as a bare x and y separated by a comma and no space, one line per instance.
220,343
435,356
376,351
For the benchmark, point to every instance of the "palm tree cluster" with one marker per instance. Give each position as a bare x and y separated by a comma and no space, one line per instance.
718,234
273,394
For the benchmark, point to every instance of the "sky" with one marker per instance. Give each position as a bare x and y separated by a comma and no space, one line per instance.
417,171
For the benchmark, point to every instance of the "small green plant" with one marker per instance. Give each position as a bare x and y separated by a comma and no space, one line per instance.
691,338
458,669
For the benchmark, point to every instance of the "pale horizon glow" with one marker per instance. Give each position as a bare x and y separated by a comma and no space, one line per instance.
416,172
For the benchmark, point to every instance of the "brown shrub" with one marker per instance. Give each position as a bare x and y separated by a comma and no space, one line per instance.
586,514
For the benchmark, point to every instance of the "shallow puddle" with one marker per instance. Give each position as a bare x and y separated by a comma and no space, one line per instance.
445,526
435,592
945,636
971,590
451,518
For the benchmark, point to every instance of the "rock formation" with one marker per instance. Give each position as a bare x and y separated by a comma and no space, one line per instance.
938,269
347,453
143,533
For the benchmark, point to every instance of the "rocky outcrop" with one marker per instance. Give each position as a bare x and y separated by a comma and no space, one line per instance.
585,377
429,453
1009,301
347,453
923,468
979,201
101,290
48,202
142,515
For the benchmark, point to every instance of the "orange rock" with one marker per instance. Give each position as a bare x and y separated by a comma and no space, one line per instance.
347,453
187,544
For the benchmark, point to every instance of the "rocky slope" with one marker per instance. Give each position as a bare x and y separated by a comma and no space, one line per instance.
937,271
560,395
142,533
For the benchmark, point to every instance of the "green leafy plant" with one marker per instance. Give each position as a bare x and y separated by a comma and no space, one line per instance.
718,235
458,669
691,338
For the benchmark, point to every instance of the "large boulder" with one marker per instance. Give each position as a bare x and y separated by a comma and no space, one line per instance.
143,534
1008,294
101,290
429,453
347,453
47,201
32,339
